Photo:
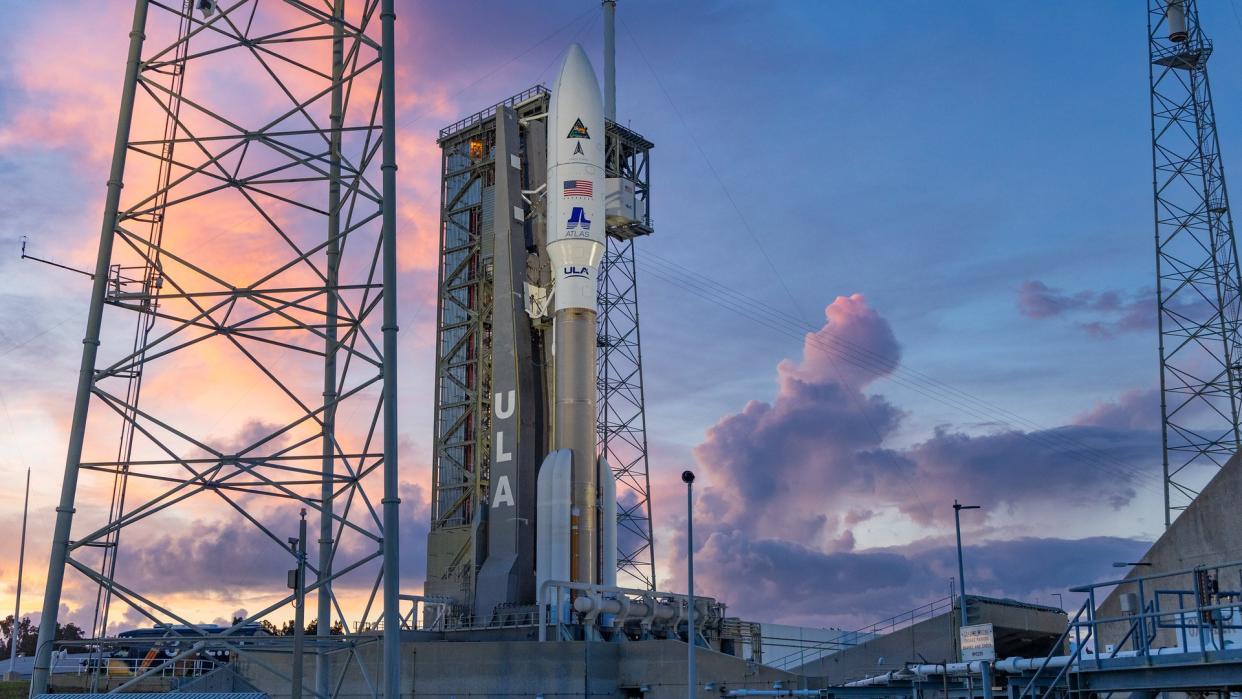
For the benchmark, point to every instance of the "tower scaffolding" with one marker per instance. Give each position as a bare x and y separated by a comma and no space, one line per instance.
147,277
463,422
1197,274
253,253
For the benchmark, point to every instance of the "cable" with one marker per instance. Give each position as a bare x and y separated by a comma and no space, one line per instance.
855,354
764,315
771,318
852,394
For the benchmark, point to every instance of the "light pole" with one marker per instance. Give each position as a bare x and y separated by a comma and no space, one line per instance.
687,477
298,578
17,606
1060,601
961,569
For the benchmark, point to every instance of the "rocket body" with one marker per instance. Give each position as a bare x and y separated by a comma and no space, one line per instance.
576,240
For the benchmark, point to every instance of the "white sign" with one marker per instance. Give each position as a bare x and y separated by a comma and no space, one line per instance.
978,643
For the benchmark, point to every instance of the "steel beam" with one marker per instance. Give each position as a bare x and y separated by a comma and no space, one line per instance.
90,350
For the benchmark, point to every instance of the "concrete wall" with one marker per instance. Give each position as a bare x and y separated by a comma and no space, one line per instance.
1020,630
934,640
1207,532
526,669
661,665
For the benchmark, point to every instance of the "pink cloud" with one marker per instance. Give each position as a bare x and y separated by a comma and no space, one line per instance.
784,482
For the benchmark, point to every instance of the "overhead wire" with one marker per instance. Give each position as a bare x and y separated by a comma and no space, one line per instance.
857,355
776,320
737,210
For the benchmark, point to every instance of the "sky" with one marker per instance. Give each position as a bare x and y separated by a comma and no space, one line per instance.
902,255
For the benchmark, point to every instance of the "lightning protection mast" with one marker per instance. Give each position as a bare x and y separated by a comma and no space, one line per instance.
248,232
1197,275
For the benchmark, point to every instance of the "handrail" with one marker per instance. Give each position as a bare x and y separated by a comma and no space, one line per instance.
481,116
1073,625
889,625
1134,626
1154,576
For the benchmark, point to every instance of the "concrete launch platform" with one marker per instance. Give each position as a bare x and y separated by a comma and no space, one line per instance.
432,668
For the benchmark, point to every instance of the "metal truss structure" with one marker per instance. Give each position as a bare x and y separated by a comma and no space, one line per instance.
621,425
462,412
463,400
241,336
1197,274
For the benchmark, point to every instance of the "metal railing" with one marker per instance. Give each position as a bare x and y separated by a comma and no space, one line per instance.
1202,620
1080,642
849,639
1206,617
480,117
129,667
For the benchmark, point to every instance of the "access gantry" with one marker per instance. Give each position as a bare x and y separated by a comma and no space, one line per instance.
466,337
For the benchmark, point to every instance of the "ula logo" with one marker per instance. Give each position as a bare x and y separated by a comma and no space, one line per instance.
583,272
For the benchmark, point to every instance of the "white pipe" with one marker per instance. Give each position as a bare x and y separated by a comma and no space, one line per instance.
894,675
1025,664
775,693
1009,665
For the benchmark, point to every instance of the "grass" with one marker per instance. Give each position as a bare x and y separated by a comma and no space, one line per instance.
17,689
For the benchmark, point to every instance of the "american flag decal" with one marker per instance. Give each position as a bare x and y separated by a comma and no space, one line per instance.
578,188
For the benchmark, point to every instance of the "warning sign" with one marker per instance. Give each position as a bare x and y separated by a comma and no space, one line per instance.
978,643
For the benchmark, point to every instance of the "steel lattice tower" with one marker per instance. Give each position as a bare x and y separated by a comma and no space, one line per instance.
1197,274
621,424
248,234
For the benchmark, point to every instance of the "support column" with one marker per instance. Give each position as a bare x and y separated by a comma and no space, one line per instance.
90,349
610,60
323,616
392,500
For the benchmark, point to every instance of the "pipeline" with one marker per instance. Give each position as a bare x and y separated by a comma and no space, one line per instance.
664,609
1008,665
886,678
777,693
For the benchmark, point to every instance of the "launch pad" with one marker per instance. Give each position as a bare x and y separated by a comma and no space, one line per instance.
494,412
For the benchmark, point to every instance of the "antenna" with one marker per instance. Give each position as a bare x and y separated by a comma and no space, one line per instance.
49,262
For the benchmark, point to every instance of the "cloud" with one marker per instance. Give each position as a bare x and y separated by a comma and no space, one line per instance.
786,481
1102,314
1138,409
787,582
820,445
228,563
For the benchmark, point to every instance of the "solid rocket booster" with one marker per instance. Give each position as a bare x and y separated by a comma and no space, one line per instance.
575,222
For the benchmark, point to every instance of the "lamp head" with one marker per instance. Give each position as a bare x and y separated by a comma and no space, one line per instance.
687,477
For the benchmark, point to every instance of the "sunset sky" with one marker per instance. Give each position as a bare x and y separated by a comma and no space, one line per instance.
960,194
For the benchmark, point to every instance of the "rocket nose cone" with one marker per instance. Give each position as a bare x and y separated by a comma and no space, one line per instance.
576,53
577,70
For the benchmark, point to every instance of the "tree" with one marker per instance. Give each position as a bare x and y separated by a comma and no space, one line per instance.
27,636
69,632
286,629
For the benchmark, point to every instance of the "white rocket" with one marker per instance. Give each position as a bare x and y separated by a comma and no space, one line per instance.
575,490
